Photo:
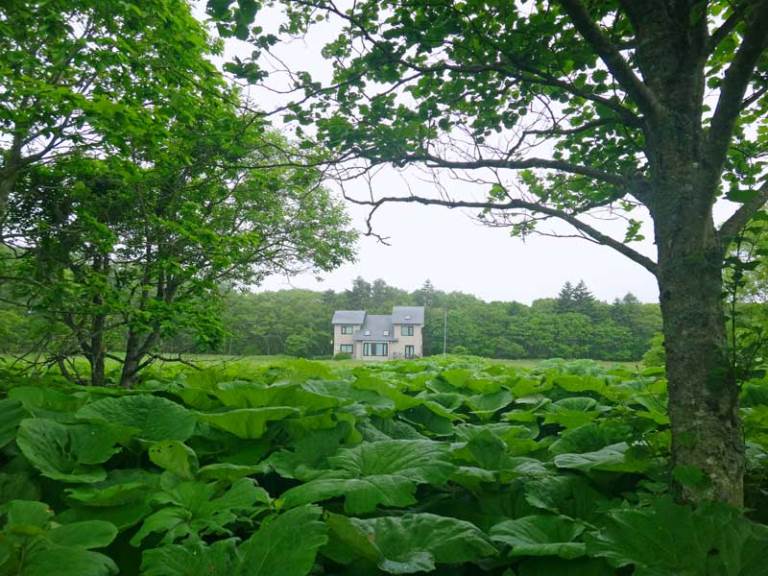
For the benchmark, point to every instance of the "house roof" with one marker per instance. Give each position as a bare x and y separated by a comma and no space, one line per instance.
374,329
348,317
408,315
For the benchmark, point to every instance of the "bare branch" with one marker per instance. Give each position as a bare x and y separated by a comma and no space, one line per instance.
544,163
728,26
735,84
731,227
620,69
516,204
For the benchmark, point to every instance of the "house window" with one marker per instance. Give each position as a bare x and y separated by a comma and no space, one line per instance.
409,351
347,328
406,330
375,349
345,348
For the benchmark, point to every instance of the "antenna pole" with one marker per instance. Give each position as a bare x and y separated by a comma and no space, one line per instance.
445,329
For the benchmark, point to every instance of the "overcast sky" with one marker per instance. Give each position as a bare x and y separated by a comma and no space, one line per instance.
447,246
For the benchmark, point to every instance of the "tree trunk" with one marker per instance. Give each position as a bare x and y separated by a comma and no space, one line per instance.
703,392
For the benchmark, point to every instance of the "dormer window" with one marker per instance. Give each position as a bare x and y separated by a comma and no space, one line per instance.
367,332
407,316
386,332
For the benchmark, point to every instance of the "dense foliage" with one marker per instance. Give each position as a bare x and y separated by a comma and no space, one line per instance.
124,237
568,110
296,322
451,466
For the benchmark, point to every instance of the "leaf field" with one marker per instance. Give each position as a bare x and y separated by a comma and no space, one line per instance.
452,466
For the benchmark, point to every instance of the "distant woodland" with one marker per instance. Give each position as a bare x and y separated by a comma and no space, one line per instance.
573,324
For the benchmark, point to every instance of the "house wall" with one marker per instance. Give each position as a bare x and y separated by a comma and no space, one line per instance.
397,349
339,339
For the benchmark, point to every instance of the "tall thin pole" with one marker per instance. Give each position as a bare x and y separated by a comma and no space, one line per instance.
445,329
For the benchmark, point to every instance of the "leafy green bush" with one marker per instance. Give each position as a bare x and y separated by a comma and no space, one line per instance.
448,465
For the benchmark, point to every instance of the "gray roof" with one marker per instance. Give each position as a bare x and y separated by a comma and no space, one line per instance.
408,315
374,328
348,317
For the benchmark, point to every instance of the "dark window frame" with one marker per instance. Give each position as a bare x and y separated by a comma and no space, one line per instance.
410,351
369,347
346,348
409,329
347,329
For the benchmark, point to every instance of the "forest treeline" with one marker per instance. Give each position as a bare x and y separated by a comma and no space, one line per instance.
574,324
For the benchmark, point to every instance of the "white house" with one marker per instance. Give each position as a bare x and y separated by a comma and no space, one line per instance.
379,337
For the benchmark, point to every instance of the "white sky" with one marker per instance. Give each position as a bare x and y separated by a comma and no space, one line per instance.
447,246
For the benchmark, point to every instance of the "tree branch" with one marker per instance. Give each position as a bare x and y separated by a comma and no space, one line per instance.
731,227
544,163
727,27
734,86
620,69
515,204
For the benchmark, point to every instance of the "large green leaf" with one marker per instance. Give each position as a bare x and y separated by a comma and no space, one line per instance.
198,508
193,559
156,418
614,458
35,546
175,457
66,453
286,545
241,394
250,423
668,539
419,542
11,414
385,472
541,536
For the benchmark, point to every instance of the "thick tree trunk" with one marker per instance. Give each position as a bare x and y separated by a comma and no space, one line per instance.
703,392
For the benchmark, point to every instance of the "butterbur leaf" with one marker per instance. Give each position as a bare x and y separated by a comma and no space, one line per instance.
250,423
419,542
154,417
11,414
540,536
193,507
614,458
553,566
27,516
35,546
668,539
175,457
68,562
120,487
85,535
193,559
56,451
285,545
385,472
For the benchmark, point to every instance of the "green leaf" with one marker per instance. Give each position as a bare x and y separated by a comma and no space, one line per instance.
193,559
175,457
61,453
122,486
385,472
250,423
286,545
541,536
155,418
25,516
613,458
667,539
419,542
68,562
11,414
85,535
